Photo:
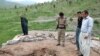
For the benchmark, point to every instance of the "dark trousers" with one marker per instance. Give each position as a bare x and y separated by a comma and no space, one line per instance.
78,30
25,29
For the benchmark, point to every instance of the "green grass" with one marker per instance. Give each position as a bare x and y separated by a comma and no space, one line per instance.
10,20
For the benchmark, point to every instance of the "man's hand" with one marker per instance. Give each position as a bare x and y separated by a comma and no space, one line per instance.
86,36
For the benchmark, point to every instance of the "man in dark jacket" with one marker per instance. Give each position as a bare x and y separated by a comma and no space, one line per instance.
24,24
78,30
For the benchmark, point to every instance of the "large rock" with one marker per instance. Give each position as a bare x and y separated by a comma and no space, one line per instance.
29,38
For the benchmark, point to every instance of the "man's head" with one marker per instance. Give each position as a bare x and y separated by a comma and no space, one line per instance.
85,13
61,14
79,14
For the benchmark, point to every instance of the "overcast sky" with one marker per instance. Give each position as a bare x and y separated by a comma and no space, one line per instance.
28,1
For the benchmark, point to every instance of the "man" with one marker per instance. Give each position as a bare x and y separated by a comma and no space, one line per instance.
78,30
61,21
85,35
24,24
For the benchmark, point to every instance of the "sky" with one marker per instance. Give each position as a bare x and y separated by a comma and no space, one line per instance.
28,1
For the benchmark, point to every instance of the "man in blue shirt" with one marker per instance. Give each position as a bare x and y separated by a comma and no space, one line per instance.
85,35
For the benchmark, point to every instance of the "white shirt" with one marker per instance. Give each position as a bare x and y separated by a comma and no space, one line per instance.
87,25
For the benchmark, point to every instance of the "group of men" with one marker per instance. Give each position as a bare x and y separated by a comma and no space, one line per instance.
83,31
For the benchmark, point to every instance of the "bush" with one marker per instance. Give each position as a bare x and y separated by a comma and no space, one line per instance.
71,19
96,21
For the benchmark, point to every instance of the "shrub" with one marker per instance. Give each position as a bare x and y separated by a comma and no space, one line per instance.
71,19
96,21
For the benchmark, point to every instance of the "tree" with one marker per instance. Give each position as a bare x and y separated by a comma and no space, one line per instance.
15,6
26,9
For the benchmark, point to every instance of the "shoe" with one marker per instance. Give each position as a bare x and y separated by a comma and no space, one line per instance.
63,45
81,55
76,49
58,45
78,52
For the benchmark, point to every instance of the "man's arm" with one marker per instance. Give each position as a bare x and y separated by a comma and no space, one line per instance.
90,26
57,23
66,23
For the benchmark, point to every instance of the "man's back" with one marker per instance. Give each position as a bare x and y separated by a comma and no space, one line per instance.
24,20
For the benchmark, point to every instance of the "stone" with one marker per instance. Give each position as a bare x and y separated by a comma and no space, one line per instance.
43,35
10,42
26,39
51,36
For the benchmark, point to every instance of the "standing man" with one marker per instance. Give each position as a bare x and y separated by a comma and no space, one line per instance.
61,21
85,35
78,30
24,24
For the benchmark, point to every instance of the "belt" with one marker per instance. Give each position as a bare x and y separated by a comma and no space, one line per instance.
61,27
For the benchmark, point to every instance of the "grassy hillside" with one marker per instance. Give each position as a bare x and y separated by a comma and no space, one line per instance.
10,20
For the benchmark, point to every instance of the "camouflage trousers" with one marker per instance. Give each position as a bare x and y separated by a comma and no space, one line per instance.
61,36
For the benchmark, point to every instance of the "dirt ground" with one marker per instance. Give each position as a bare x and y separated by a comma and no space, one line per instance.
41,48
45,47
